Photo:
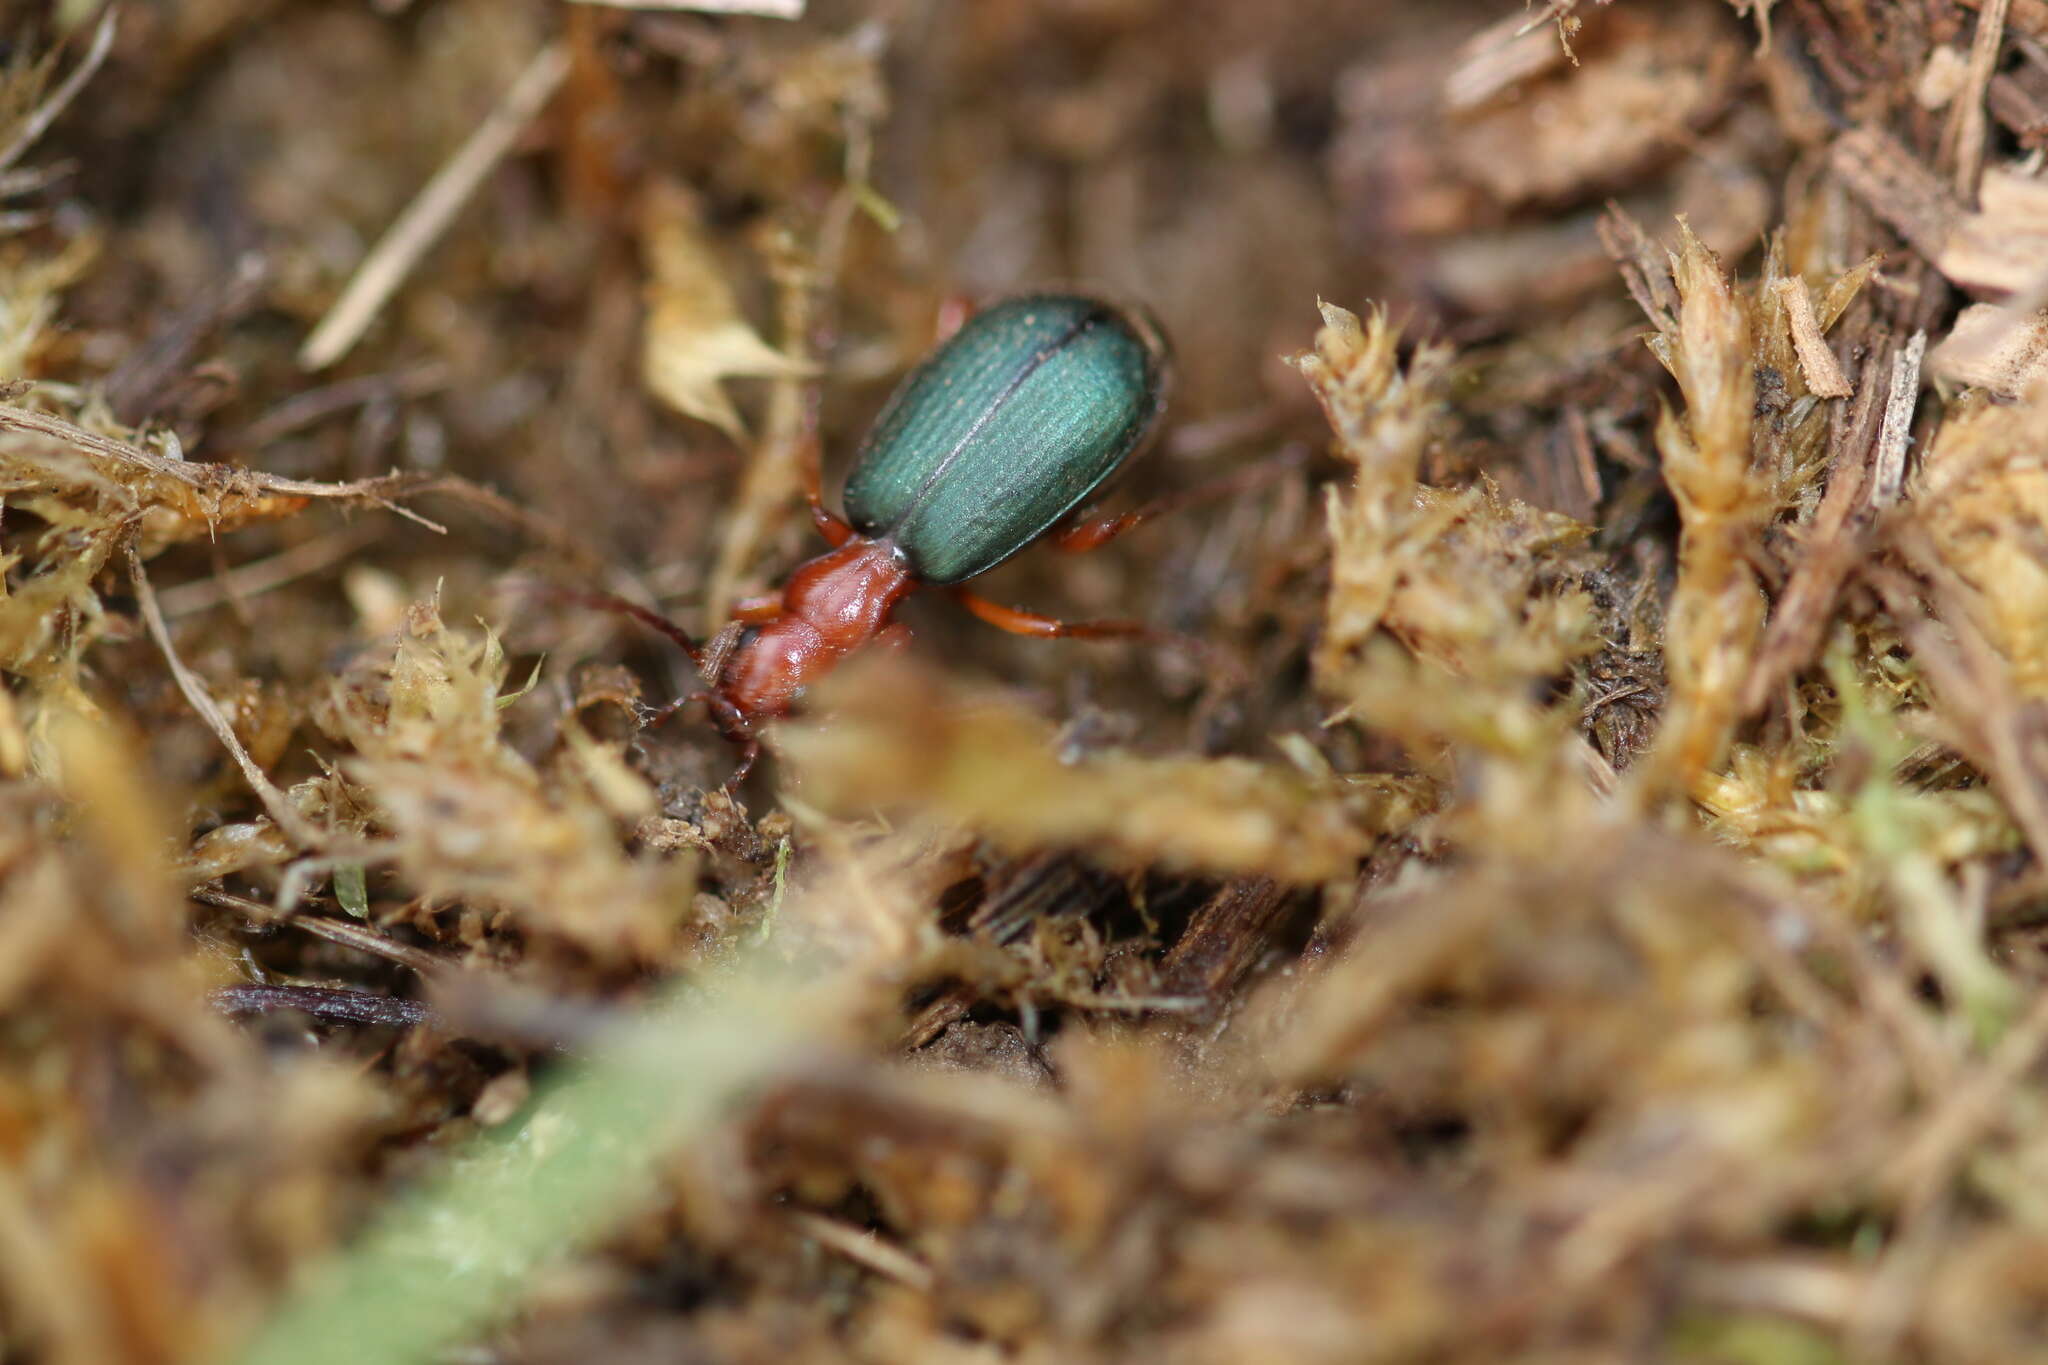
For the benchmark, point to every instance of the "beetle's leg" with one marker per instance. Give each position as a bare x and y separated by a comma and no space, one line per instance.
733,725
835,530
830,525
755,611
954,311
1020,622
1088,533
1017,621
750,749
605,601
662,714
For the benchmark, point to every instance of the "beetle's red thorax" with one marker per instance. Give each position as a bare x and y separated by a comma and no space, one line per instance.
830,607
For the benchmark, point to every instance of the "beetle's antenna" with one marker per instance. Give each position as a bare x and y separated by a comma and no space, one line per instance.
605,601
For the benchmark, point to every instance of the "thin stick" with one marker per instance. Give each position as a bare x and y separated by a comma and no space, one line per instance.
1896,433
864,1248
1970,117
46,113
430,212
606,601
264,575
345,932
92,443
300,830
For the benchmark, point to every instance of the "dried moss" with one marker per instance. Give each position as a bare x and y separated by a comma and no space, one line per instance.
1572,890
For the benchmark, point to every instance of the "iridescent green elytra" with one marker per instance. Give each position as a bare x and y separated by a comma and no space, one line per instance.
1005,429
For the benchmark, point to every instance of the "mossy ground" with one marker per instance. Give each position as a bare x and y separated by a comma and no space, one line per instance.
1572,890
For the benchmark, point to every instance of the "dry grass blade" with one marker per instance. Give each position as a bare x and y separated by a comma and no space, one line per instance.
279,806
429,214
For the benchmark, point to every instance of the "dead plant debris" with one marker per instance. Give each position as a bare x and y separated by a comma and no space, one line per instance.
1566,884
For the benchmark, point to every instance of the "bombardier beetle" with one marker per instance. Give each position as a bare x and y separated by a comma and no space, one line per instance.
991,443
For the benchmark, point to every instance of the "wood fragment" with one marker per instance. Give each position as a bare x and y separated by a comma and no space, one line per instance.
92,443
1496,59
1990,348
432,210
1585,464
1224,939
222,487
1823,372
1892,182
772,489
2003,247
311,406
1889,471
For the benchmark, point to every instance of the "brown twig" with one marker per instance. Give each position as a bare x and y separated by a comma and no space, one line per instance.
1970,124
345,932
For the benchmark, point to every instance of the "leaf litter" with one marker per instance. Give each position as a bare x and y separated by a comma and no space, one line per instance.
1567,885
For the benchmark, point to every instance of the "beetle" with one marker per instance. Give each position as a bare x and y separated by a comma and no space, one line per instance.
992,443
